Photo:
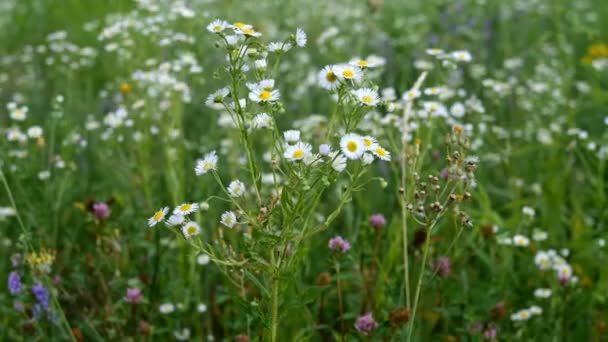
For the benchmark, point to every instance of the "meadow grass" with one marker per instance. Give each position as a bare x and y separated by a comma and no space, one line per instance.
423,170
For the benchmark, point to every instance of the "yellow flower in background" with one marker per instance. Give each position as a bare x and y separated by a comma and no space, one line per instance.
41,261
596,51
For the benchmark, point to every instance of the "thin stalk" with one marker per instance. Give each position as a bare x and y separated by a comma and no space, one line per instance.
405,129
340,305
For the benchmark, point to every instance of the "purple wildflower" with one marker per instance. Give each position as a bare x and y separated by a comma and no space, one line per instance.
134,295
443,266
42,296
366,324
338,244
14,283
101,210
489,333
377,221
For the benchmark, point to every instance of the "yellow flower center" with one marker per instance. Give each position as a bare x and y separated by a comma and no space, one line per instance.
348,73
352,146
208,165
191,230
381,152
249,32
217,28
362,63
185,207
525,314
331,77
158,215
297,154
239,25
265,95
368,142
367,99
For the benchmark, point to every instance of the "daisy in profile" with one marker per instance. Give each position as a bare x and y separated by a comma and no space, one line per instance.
366,96
300,38
521,315
434,52
185,209
191,229
338,161
461,56
248,31
208,163
296,152
352,146
236,188
217,26
279,47
215,99
381,153
328,78
175,220
158,216
291,136
262,120
228,219
348,72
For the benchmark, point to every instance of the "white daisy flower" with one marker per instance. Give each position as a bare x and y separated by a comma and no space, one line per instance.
381,153
461,56
348,72
185,209
366,96
542,293
300,38
261,95
457,110
166,308
175,220
328,78
203,259
369,142
216,99
262,120
535,310
279,46
158,216
299,151
291,136
367,158
191,229
521,315
520,240
18,113
411,95
539,235
14,134
260,64
228,219
201,308
352,146
248,31
34,132
236,188
208,163
217,26
338,161
434,52
543,260
324,149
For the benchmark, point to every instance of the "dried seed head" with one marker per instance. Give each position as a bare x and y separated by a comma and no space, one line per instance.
324,279
399,317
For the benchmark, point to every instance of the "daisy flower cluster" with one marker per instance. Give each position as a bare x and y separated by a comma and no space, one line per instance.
178,218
